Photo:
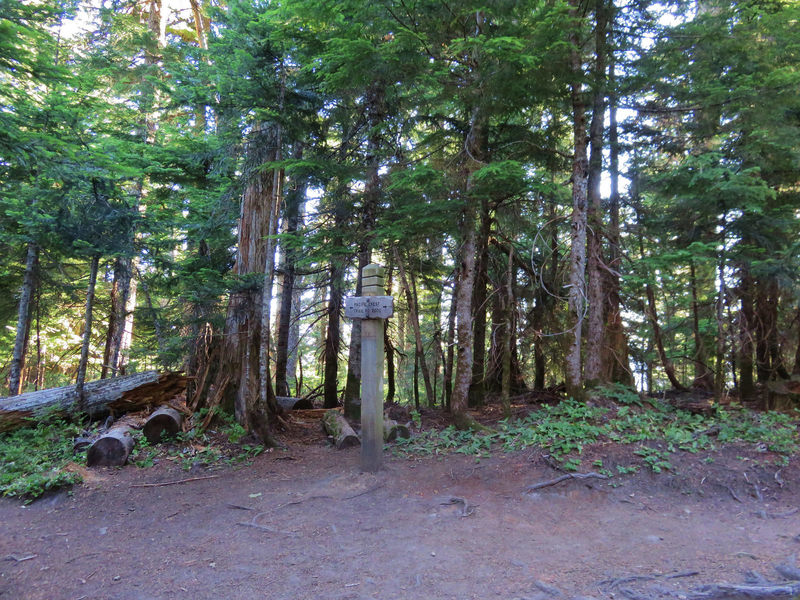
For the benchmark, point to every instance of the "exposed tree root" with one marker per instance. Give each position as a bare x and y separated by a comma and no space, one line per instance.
728,591
548,483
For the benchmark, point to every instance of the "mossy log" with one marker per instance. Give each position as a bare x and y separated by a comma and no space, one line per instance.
111,449
117,395
288,403
339,429
393,430
163,422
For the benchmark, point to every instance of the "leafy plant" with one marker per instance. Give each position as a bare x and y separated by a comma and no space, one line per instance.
34,460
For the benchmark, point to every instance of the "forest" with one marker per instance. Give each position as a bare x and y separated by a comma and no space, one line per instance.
565,195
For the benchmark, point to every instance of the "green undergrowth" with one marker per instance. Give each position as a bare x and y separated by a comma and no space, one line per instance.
199,449
35,460
656,430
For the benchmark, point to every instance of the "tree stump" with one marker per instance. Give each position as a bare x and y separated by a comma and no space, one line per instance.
164,422
339,429
111,449
288,403
393,430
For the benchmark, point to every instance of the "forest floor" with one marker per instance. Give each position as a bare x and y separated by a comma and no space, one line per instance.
305,522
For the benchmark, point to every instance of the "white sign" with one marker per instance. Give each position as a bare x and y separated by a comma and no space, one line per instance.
369,307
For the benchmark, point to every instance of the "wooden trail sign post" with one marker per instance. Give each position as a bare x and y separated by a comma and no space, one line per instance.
373,307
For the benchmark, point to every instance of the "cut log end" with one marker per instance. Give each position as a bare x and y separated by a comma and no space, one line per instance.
111,450
164,422
392,430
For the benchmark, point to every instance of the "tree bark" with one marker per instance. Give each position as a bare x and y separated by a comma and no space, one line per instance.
475,146
508,294
796,367
332,334
615,352
352,385
87,332
703,377
411,300
450,343
477,389
292,218
595,334
463,312
237,382
29,282
267,405
118,317
580,166
746,333
669,367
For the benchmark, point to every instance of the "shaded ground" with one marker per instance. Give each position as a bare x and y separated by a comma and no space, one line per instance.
305,523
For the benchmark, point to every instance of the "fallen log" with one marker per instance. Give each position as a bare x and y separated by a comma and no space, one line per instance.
288,403
393,430
339,429
117,395
111,449
164,422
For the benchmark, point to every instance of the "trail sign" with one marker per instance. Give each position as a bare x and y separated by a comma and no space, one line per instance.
369,307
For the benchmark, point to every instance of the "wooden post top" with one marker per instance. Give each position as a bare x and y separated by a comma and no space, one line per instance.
372,280
372,270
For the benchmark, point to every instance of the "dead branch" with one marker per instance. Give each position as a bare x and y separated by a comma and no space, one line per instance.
557,480
20,559
466,508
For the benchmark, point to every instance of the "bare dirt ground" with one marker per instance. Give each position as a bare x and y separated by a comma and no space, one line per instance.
306,523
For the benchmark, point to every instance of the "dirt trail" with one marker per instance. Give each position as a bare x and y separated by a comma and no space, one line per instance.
307,524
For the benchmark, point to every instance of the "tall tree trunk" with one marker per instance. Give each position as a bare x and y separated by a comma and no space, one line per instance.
719,358
595,333
477,389
352,385
237,379
118,318
390,375
703,377
292,219
450,341
577,271
375,107
508,295
463,312
261,412
414,318
615,352
29,283
796,367
769,363
80,379
475,146
332,332
658,338
746,332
